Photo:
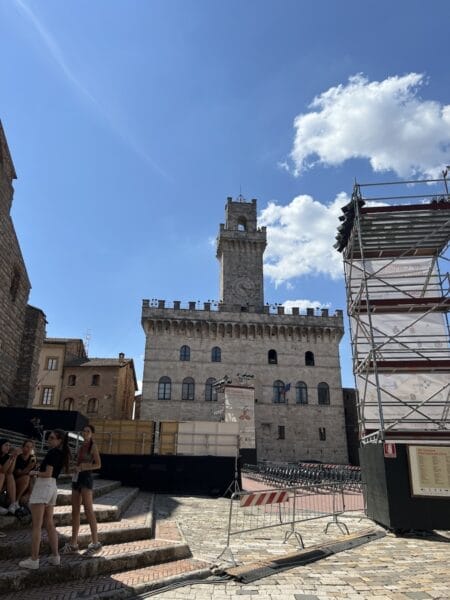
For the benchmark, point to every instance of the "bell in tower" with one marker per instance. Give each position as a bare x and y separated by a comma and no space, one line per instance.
240,249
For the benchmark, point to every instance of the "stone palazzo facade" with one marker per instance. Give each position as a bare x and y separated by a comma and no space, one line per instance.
22,327
293,358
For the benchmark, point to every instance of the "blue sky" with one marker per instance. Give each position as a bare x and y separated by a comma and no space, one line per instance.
131,121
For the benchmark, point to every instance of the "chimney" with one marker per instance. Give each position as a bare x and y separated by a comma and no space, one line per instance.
121,357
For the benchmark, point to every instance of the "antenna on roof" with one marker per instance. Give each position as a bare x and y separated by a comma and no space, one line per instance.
87,339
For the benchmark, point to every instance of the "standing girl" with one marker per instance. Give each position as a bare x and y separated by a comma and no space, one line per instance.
88,460
43,498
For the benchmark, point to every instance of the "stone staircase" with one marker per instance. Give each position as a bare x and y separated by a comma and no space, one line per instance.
132,559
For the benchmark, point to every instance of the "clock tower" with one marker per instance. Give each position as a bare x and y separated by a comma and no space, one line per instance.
240,249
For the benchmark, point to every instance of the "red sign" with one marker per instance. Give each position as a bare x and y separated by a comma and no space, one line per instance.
390,451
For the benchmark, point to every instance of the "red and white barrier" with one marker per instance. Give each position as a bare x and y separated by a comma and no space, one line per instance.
261,498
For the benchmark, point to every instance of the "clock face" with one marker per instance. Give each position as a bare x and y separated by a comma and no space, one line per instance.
244,286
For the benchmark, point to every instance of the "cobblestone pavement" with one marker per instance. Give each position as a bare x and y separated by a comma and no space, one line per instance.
391,568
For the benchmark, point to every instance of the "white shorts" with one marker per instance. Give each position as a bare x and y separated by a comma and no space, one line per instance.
44,491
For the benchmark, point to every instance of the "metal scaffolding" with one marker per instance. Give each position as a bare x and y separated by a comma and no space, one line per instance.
396,254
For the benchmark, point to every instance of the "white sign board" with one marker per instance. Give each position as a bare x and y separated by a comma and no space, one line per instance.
429,468
240,408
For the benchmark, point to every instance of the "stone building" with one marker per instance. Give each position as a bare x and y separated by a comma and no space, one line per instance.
103,388
293,357
22,327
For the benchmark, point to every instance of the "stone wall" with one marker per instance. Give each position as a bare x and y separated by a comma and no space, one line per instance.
28,366
14,283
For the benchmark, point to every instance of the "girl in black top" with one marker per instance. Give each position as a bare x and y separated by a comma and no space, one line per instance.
25,463
8,458
43,498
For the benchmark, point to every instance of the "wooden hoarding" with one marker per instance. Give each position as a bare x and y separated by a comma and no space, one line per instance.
124,436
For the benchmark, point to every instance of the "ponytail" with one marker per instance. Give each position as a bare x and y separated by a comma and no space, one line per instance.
62,435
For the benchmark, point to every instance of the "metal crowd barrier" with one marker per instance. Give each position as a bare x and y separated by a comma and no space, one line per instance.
264,509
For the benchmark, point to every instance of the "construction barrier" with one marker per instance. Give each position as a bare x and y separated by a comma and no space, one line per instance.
287,507
124,436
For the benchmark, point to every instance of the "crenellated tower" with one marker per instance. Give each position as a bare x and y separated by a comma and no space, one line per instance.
240,249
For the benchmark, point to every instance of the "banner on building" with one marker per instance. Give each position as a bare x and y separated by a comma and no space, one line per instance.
240,408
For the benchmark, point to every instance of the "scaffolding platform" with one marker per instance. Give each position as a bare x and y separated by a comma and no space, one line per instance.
396,253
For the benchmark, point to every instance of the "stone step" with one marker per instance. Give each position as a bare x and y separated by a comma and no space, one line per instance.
111,559
108,507
101,486
126,584
135,524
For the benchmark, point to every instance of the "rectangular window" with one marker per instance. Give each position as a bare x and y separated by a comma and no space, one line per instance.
52,364
322,434
47,396
281,432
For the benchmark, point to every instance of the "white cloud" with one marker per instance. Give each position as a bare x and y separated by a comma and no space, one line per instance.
383,121
300,238
304,304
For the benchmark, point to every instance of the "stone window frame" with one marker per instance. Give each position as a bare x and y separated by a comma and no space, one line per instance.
323,393
301,393
188,389
216,354
68,404
71,380
47,395
92,406
281,432
51,363
185,353
272,357
164,388
309,359
279,392
95,380
210,390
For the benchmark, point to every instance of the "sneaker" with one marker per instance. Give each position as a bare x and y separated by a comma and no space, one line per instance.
29,563
68,548
13,507
3,511
93,549
53,560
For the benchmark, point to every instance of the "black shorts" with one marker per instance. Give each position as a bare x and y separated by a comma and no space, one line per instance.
85,480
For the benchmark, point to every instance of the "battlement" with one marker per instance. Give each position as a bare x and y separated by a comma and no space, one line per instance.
210,306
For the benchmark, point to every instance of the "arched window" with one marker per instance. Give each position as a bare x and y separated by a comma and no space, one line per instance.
210,391
272,357
323,393
95,379
71,380
279,394
68,404
301,393
164,388
92,406
309,359
188,389
216,354
185,353
242,224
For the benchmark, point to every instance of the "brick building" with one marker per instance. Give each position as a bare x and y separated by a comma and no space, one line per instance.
22,327
294,358
103,388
